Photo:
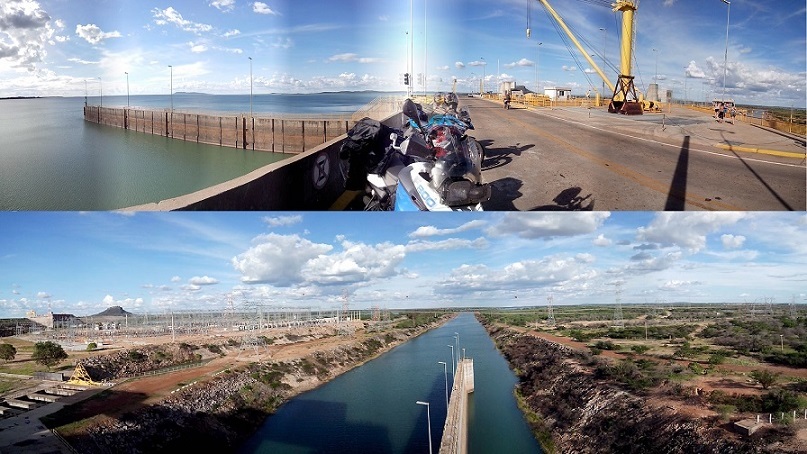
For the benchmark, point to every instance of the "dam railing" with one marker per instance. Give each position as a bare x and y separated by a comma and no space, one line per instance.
455,431
279,133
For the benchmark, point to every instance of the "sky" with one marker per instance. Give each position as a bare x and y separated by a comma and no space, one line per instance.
84,262
64,47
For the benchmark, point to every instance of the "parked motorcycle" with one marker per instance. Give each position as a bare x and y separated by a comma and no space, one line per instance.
428,167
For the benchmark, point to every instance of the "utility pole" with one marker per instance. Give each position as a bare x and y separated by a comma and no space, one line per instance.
726,57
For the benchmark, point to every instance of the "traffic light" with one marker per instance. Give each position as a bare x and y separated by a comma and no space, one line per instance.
406,78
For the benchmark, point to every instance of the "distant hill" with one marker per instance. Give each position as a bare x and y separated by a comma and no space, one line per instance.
114,311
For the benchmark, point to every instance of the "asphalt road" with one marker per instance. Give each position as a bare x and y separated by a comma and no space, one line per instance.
571,159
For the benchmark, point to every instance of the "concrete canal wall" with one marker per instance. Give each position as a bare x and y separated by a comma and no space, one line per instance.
280,135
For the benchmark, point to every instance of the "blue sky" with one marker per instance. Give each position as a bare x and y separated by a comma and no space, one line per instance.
82,263
50,47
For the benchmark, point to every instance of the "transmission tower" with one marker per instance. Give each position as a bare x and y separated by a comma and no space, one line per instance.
619,321
345,304
550,318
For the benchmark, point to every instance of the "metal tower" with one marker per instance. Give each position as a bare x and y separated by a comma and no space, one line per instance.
550,318
619,321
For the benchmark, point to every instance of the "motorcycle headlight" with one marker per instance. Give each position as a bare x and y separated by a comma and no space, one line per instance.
464,192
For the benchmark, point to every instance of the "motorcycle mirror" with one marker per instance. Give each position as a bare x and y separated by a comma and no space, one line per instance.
411,111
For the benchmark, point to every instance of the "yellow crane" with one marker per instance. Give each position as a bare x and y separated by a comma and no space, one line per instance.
624,100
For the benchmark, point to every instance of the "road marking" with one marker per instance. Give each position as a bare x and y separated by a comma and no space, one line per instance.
785,154
644,139
642,180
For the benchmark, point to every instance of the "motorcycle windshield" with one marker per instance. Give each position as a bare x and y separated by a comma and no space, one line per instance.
455,159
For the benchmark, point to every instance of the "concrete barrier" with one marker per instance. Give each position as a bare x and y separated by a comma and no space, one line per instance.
455,430
312,180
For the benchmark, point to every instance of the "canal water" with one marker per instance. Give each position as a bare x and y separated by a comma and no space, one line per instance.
51,159
373,408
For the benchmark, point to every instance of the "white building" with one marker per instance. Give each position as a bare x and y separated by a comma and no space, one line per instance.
558,93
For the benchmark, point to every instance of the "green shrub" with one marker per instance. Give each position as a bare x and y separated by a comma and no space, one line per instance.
91,346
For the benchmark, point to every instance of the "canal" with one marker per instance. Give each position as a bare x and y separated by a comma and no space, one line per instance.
373,407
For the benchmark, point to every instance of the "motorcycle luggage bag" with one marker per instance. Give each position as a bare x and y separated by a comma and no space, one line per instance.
366,149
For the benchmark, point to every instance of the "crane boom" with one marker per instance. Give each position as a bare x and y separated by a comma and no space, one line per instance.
577,43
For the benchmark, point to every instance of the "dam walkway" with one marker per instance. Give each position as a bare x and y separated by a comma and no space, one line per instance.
455,433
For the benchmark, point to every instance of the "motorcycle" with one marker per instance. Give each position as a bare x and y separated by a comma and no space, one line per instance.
431,167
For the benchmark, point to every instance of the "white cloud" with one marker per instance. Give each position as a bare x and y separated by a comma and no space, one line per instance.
172,16
43,295
693,71
358,262
448,244
548,225
83,62
283,221
198,48
427,231
223,5
686,230
731,241
203,280
25,29
351,57
601,241
231,33
522,62
459,65
262,8
277,259
176,279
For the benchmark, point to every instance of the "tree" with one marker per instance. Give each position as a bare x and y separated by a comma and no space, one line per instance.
7,352
48,353
765,377
91,346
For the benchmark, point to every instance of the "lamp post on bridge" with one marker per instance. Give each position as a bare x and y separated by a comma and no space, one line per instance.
457,336
250,88
429,421
726,57
452,361
445,375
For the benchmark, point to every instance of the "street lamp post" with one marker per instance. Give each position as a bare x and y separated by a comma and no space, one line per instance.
655,75
127,88
537,64
782,340
250,87
482,91
605,38
171,88
726,57
452,361
457,335
429,421
445,375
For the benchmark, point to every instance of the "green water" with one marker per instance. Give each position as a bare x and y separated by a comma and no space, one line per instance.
51,159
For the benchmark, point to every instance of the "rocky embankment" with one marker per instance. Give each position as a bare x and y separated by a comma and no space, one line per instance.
572,410
217,414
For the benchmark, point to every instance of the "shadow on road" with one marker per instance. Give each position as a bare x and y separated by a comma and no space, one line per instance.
498,157
761,180
503,192
676,196
569,200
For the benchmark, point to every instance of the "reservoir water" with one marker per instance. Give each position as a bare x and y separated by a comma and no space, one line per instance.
51,159
373,407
